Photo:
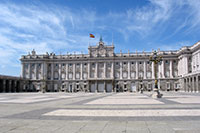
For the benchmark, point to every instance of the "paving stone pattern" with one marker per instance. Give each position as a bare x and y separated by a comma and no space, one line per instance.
176,112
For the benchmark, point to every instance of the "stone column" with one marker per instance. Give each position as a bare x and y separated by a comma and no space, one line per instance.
74,71
197,84
145,71
42,71
186,65
163,69
112,70
96,70
190,85
35,70
4,85
66,71
52,71
9,86
15,86
104,70
22,70
88,70
59,71
185,84
137,69
152,68
171,68
81,74
129,70
96,87
121,70
29,70
104,86
45,70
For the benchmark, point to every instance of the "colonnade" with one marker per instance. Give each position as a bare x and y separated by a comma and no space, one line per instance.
9,85
44,67
192,83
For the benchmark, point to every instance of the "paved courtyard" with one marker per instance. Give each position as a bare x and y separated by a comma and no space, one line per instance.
176,112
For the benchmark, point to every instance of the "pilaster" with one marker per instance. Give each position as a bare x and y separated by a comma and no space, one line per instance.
145,71
163,68
104,70
88,70
74,71
152,68
112,70
29,70
137,69
66,71
52,71
81,75
171,68
59,71
96,70
129,70
35,71
121,70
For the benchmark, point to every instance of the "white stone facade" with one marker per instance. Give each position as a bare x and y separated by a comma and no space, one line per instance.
103,70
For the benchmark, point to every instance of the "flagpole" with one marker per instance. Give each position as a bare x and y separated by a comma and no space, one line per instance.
112,37
89,41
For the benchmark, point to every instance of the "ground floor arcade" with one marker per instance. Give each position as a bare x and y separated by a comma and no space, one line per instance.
192,83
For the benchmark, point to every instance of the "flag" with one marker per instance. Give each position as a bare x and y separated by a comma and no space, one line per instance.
92,36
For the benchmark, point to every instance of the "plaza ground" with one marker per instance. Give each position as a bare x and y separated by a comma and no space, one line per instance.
176,112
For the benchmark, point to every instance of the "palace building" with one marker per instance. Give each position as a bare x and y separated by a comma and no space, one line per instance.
103,70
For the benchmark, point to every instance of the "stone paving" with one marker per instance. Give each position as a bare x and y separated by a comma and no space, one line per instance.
176,112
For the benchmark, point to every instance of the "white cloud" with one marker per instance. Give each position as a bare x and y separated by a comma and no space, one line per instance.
27,27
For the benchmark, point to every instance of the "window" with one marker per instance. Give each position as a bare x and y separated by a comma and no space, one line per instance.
125,86
117,74
70,75
132,62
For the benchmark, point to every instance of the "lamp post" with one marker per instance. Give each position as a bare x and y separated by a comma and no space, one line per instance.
141,85
156,59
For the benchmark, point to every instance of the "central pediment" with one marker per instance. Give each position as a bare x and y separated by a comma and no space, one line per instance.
101,50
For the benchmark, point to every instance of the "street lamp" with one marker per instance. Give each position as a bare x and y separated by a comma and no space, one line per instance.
156,59
141,85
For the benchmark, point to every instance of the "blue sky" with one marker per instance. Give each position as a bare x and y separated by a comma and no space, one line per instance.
63,26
